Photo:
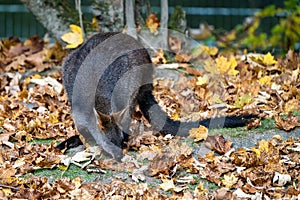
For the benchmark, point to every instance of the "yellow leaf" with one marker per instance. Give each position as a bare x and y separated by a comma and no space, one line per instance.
175,116
266,80
73,38
212,51
199,133
242,101
263,146
36,76
256,151
159,57
229,181
226,66
292,105
63,167
75,29
202,80
7,191
269,59
210,156
200,189
94,24
77,182
53,117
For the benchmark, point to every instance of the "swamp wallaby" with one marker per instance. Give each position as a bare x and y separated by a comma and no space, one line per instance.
105,79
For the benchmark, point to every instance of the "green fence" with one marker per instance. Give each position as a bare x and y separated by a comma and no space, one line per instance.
16,20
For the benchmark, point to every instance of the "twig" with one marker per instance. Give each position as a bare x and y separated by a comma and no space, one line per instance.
78,7
10,187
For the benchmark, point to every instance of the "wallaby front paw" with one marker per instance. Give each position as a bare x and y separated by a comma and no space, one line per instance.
113,151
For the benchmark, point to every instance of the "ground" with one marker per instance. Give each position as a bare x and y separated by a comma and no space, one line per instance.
257,161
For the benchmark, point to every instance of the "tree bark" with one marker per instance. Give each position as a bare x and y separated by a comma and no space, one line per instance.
164,23
55,16
131,29
110,14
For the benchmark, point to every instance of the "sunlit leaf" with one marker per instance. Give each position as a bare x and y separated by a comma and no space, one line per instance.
263,146
269,59
242,101
95,24
168,184
202,80
226,66
73,38
266,80
212,51
199,133
256,151
229,180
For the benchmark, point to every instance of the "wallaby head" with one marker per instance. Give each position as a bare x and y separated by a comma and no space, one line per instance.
112,126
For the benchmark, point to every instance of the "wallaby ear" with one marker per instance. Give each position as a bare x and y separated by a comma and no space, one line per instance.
103,120
118,116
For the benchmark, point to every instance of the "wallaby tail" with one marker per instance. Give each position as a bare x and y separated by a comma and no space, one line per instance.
161,122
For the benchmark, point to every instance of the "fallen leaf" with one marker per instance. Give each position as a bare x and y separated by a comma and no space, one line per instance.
48,80
202,80
82,156
226,66
281,179
168,184
199,133
253,123
269,59
287,124
223,193
139,174
200,189
229,181
73,38
159,57
4,137
242,101
212,51
266,80
217,143
152,22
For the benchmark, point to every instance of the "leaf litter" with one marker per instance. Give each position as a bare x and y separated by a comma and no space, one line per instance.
33,105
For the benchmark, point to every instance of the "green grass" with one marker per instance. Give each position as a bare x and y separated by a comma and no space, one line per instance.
41,141
72,172
266,124
297,113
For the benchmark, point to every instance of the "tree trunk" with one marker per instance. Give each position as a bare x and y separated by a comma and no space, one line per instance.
110,14
55,16
164,23
131,29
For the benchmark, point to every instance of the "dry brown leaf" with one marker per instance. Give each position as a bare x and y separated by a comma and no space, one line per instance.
218,143
287,124
153,23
